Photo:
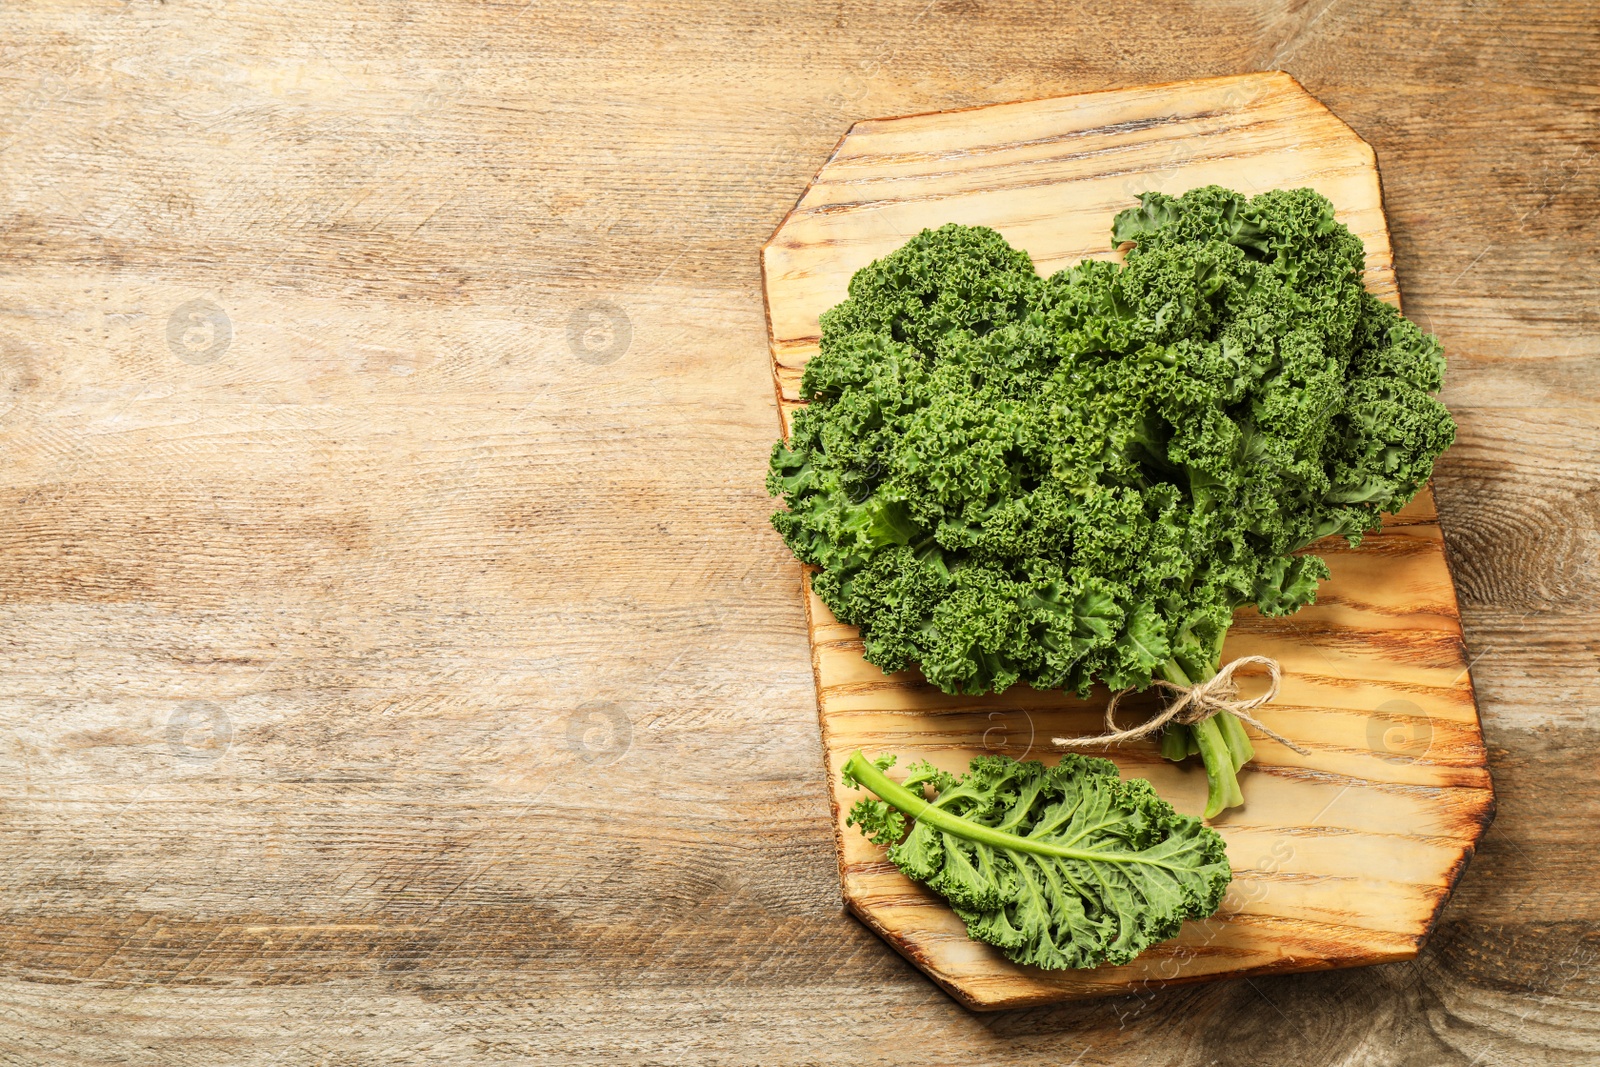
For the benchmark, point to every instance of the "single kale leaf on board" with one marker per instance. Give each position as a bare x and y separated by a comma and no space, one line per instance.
1006,478
1066,867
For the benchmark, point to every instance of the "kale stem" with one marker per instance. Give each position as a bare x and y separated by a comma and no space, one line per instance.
1176,738
1175,742
1224,746
1222,786
1174,673
869,776
1239,743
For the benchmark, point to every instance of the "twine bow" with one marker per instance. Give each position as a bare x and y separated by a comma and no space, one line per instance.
1194,703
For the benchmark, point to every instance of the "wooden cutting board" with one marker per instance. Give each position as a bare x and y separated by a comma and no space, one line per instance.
1342,857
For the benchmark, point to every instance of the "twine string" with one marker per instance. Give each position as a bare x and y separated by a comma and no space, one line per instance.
1192,704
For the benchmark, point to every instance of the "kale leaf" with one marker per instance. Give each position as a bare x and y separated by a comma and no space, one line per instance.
1005,478
1066,867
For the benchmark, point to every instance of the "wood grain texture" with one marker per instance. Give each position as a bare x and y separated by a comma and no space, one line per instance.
1342,857
517,757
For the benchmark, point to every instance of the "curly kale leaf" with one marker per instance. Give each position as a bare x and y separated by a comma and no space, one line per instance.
1005,478
1066,867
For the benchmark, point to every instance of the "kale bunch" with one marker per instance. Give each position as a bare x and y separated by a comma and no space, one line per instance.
1006,478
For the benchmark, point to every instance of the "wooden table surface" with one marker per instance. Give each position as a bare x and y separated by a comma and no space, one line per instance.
396,665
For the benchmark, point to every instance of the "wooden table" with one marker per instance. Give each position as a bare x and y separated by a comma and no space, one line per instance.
397,665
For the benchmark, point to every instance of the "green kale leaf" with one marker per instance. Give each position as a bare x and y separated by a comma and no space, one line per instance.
1066,867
